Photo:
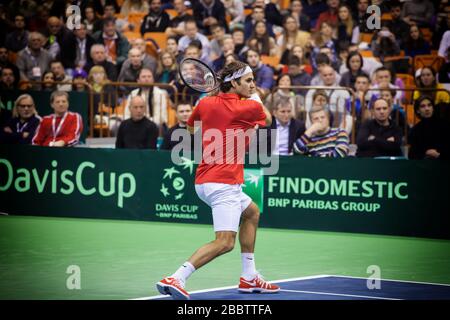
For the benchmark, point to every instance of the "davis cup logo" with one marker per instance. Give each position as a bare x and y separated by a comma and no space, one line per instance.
173,183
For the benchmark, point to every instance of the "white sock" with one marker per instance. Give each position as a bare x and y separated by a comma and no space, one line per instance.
184,272
248,266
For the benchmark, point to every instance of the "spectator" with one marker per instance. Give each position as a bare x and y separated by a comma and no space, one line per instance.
22,126
292,36
218,33
271,12
147,60
384,78
90,19
208,13
172,47
261,41
250,21
287,129
82,42
384,44
226,49
354,65
103,93
444,72
298,75
7,80
33,61
296,10
110,14
157,19
397,112
191,33
137,132
61,129
60,76
297,51
419,12
320,140
167,68
79,82
362,99
323,60
54,33
444,45
176,26
5,63
331,15
415,44
239,41
263,73
313,9
155,99
347,29
337,98
235,10
183,112
229,58
101,7
116,45
98,56
130,70
428,139
397,25
134,6
379,137
369,64
282,93
48,81
18,39
361,16
324,38
428,82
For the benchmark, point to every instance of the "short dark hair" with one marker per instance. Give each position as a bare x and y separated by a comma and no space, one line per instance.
363,75
109,21
228,71
183,102
418,102
322,58
294,60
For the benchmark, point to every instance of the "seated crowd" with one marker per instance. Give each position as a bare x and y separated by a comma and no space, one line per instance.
332,91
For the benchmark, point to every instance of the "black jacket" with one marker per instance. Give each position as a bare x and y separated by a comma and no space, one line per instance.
218,12
168,144
429,134
379,147
296,129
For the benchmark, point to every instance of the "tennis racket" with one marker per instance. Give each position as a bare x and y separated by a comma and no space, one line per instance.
198,76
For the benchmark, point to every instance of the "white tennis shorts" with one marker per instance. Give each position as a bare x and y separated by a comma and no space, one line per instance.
227,201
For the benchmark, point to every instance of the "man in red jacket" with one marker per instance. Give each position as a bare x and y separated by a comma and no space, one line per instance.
220,175
61,129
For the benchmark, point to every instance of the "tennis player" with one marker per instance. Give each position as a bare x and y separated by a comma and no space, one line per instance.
218,183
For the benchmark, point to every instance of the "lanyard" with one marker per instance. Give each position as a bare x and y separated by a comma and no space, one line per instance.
19,128
55,132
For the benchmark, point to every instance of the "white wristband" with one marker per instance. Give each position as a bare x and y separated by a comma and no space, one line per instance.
255,96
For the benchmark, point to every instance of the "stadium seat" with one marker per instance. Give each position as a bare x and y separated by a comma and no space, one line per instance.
386,16
428,60
131,35
172,13
366,37
408,80
160,38
272,61
366,53
248,12
136,18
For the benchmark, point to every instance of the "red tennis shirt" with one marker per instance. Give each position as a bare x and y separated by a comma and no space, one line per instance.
226,121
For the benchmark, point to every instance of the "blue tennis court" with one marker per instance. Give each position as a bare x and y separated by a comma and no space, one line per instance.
330,287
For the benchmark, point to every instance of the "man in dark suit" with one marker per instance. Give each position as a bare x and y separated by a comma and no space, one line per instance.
288,129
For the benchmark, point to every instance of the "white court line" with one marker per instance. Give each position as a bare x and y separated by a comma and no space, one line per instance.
339,294
405,281
234,287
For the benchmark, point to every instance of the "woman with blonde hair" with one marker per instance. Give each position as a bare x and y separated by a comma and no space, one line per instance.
166,70
292,36
104,95
134,6
22,127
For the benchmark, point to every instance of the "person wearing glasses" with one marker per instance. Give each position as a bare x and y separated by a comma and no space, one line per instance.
21,128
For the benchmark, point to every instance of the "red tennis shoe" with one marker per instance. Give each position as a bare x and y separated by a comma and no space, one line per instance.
257,285
174,287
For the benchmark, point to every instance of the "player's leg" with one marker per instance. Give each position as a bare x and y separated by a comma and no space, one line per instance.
251,280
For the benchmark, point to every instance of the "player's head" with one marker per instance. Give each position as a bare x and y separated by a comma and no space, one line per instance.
237,77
